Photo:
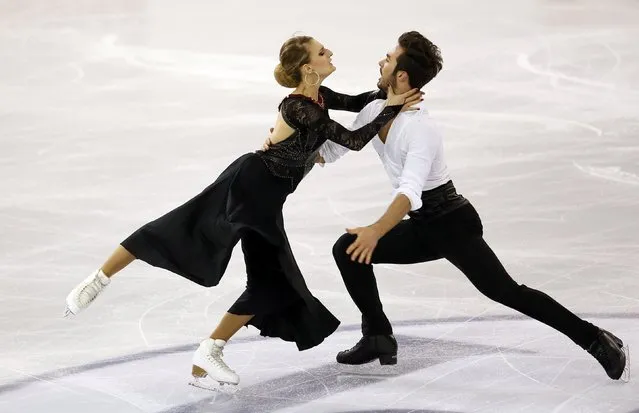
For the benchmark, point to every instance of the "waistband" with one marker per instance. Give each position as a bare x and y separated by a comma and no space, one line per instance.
439,201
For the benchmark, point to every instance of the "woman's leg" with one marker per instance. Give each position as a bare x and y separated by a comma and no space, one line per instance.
229,325
88,290
118,260
209,369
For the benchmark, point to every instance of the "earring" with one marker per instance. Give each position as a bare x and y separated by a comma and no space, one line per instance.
314,83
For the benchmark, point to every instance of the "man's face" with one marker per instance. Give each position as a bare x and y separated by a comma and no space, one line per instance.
387,67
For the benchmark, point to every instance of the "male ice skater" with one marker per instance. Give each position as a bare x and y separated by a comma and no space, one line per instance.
441,224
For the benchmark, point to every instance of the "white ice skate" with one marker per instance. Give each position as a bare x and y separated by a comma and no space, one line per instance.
209,370
83,295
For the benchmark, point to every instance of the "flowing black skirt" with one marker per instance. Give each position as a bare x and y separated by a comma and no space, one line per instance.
196,239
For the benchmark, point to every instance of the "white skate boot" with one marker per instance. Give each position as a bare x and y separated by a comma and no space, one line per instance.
209,370
81,296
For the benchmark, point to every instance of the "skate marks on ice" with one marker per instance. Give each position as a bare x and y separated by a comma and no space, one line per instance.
397,411
70,371
293,389
610,173
308,385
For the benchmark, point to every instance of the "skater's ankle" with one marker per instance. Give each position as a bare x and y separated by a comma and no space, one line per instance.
104,279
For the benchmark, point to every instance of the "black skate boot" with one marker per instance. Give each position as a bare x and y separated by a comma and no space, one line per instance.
611,354
370,348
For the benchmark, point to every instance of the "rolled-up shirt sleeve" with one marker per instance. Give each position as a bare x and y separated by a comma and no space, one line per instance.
423,143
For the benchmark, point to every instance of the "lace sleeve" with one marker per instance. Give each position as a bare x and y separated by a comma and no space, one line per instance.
339,101
302,114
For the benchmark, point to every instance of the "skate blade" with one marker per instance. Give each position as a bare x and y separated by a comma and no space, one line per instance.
68,312
625,376
206,383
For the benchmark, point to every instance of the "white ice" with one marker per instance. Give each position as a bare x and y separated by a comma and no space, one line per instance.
112,113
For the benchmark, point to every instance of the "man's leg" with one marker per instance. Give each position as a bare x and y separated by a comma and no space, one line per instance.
401,245
472,255
482,267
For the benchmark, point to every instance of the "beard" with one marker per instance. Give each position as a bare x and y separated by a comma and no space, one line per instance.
384,84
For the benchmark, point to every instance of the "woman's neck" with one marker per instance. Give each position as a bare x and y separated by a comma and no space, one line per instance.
306,90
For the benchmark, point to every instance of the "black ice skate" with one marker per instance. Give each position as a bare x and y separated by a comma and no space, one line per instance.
370,348
611,353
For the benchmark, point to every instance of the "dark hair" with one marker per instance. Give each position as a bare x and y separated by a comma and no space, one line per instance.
421,59
293,55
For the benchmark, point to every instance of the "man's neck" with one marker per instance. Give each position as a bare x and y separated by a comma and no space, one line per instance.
399,89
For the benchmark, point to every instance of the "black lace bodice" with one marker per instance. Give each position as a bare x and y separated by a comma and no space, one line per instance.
295,156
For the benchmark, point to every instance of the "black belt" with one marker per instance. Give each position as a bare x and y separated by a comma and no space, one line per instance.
438,201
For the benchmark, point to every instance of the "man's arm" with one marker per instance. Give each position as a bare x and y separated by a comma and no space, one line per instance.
407,197
396,211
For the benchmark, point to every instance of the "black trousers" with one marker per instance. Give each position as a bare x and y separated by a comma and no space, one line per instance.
457,237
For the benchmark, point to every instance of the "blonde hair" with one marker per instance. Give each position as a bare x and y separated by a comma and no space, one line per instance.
293,55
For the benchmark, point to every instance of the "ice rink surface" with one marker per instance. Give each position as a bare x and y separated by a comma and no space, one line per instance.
112,113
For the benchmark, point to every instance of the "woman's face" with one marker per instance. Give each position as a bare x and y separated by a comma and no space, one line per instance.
320,62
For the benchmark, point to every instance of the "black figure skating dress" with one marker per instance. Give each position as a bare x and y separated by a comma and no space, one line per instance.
245,204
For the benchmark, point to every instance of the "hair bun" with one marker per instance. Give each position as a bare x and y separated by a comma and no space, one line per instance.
283,78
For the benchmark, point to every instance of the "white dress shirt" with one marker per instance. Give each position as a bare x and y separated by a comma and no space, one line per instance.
413,154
